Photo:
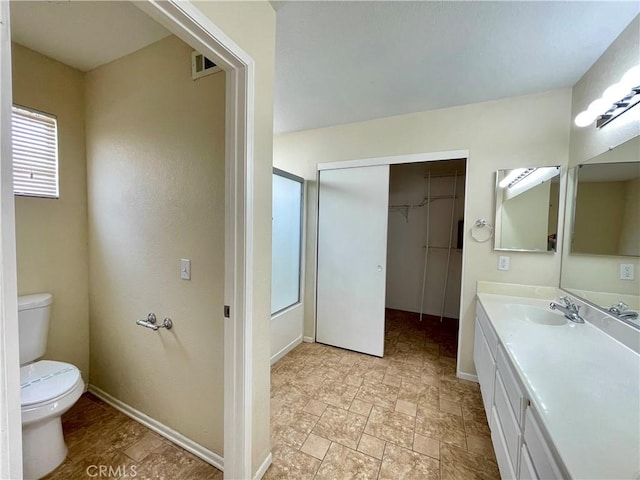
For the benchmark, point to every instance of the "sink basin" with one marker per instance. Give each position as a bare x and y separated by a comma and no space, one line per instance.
534,314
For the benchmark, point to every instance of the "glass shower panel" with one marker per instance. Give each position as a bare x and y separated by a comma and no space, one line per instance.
286,240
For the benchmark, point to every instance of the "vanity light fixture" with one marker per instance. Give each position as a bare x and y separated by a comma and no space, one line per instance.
615,100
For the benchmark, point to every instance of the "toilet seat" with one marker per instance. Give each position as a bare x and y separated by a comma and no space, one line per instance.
46,380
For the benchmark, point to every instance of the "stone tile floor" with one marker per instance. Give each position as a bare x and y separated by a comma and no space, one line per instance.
335,415
338,415
98,435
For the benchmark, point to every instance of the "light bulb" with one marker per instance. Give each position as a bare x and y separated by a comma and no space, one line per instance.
631,79
615,92
584,119
598,107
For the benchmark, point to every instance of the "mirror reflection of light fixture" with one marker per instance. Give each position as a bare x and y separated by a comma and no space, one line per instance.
615,100
534,177
515,176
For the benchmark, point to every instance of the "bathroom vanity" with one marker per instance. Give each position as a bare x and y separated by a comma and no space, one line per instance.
562,399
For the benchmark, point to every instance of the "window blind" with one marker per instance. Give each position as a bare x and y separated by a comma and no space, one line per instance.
35,153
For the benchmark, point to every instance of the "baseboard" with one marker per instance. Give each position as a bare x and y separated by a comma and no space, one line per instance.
263,467
468,376
286,350
161,429
308,340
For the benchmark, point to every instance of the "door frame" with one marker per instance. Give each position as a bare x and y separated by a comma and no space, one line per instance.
196,29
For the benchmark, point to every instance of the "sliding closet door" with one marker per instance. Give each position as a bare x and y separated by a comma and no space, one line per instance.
352,256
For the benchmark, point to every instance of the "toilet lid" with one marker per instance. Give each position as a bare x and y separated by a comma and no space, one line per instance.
44,380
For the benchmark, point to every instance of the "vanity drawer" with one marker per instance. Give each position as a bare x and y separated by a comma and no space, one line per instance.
508,422
487,329
527,472
515,392
500,446
542,458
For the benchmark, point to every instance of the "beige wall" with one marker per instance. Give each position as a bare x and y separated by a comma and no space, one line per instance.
531,130
51,234
591,272
155,157
252,25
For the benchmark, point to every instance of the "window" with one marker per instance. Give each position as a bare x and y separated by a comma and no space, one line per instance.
35,153
287,240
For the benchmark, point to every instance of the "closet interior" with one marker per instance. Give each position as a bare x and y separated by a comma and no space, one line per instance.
424,238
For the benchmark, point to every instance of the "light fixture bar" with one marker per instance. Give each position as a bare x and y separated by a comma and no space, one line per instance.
615,100
618,108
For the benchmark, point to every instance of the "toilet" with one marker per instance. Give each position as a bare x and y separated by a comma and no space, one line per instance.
47,389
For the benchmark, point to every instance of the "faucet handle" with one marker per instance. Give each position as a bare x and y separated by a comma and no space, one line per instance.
619,308
566,300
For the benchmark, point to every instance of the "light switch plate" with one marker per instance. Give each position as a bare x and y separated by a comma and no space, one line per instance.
627,271
185,269
503,263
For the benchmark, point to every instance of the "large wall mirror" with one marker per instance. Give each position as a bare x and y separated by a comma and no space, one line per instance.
527,201
606,209
601,254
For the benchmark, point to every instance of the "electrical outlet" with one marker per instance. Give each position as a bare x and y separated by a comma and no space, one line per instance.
627,271
503,263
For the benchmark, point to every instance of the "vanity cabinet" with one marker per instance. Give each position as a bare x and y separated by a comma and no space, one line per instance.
484,353
521,447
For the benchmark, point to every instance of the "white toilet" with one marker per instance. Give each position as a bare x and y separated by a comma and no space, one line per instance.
48,389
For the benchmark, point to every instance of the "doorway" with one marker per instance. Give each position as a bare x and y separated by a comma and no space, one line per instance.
196,29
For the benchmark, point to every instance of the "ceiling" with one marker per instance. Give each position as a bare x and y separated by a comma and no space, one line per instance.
341,62
82,34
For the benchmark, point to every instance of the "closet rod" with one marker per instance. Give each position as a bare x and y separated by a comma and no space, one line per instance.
428,199
442,175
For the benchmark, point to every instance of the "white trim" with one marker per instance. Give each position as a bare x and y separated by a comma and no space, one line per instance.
468,376
466,225
262,469
196,29
396,159
286,349
161,429
10,408
309,339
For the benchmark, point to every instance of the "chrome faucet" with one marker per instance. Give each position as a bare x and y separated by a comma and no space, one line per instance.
621,310
569,309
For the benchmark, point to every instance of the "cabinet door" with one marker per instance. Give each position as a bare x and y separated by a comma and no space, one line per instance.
527,472
485,367
352,256
507,470
539,449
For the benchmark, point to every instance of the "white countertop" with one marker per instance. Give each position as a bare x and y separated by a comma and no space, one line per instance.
584,384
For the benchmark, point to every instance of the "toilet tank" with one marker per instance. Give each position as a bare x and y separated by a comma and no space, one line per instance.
33,325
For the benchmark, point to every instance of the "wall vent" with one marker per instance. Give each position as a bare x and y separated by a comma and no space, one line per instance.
202,66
